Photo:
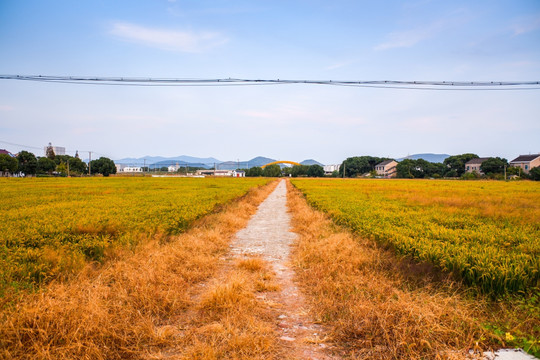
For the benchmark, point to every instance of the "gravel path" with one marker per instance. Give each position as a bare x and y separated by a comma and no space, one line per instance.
267,235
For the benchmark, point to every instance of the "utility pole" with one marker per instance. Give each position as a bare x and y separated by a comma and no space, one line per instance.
504,172
89,161
144,165
68,166
344,169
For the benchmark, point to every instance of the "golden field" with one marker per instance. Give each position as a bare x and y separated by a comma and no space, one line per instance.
379,304
51,228
485,232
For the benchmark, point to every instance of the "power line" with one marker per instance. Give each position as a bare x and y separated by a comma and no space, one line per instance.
44,147
388,84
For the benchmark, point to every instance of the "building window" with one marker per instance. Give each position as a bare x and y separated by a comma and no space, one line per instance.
526,167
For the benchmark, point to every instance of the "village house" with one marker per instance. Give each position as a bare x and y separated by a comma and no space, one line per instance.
474,165
212,172
386,168
526,162
129,169
238,173
3,151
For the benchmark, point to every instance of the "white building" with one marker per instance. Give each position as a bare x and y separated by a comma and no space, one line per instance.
131,169
212,172
329,169
238,173
173,168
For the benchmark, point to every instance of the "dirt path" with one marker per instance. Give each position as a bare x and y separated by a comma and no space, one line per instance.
267,235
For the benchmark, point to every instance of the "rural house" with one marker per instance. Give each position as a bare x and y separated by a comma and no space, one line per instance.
3,151
474,165
526,162
386,168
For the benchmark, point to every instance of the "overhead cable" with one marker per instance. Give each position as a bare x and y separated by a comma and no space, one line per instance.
391,84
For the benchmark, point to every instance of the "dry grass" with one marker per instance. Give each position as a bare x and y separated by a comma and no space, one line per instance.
379,306
132,306
230,322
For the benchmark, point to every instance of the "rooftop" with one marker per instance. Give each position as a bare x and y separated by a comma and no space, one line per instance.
477,161
4,151
525,158
386,162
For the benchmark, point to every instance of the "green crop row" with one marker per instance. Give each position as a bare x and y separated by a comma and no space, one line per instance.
487,233
53,227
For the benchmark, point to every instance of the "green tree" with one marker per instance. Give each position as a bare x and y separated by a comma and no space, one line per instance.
103,165
62,168
534,174
299,170
406,169
49,152
45,165
8,164
254,171
493,166
77,166
27,163
457,164
315,171
514,170
272,171
358,165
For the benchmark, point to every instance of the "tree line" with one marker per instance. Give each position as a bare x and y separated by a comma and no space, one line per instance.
294,171
451,167
27,164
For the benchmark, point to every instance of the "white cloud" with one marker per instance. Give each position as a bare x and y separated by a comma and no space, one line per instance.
172,40
403,39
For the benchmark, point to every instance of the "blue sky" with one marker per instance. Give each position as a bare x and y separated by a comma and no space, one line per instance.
328,40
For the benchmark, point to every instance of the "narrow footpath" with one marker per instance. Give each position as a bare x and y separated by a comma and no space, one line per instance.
268,236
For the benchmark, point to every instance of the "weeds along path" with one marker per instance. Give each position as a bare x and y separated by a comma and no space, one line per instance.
268,236
251,308
377,305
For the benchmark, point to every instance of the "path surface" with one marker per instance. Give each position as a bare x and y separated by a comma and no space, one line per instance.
267,235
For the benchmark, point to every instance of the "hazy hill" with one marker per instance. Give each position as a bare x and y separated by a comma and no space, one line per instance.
434,158
165,161
311,162
160,161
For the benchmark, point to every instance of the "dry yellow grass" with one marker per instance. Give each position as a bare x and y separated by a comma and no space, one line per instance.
377,305
230,321
132,307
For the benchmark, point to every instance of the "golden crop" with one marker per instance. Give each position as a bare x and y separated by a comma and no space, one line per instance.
487,233
52,227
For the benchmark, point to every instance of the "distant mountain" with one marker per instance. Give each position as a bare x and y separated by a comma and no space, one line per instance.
231,165
311,162
183,160
165,161
260,161
434,158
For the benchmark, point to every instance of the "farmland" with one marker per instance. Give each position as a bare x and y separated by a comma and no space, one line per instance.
51,228
486,233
